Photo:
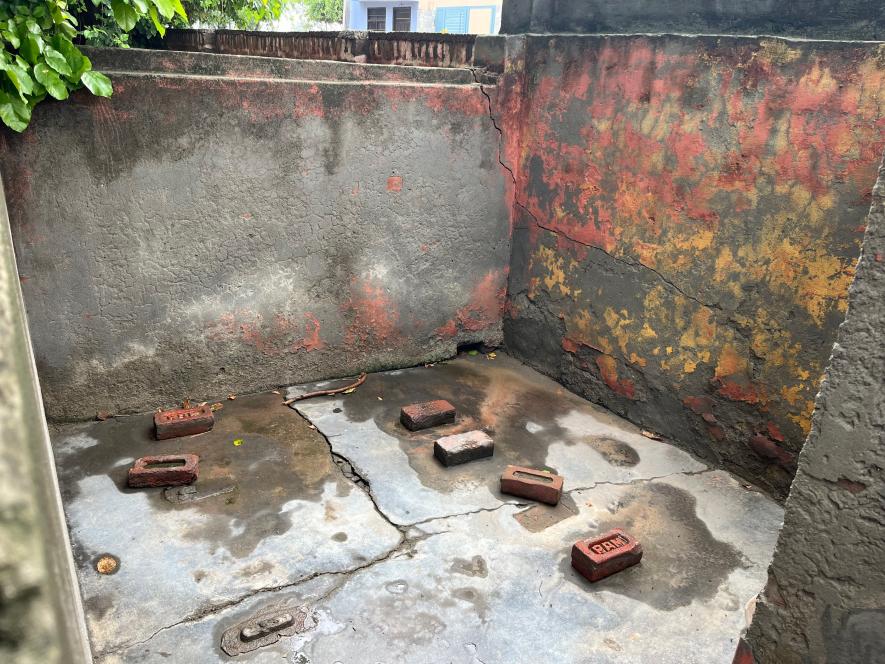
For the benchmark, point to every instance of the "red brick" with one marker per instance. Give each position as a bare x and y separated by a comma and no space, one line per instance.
743,654
532,484
605,555
164,470
183,422
428,414
463,447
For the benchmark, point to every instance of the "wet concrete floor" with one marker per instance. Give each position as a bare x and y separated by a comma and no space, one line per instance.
396,559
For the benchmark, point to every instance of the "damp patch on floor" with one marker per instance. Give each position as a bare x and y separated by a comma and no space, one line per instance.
334,513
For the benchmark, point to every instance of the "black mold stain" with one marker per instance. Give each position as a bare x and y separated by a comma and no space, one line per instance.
681,560
617,453
97,606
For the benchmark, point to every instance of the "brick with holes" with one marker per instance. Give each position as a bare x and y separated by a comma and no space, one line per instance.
532,484
164,470
427,414
463,447
605,555
183,422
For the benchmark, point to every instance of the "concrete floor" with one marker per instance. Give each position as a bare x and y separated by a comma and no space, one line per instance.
393,558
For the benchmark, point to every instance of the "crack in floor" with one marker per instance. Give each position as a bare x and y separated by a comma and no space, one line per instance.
406,543
637,480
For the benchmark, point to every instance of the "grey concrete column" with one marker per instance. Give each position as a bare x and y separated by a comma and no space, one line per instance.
41,616
825,597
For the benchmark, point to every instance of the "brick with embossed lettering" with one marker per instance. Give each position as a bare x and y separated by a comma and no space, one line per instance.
183,421
605,555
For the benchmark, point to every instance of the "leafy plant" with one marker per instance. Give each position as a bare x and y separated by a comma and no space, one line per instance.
38,56
242,14
328,11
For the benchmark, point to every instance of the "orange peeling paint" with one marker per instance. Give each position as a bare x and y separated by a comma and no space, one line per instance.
484,309
608,369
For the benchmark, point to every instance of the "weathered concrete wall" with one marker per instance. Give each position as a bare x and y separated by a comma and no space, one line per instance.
825,598
246,227
41,617
819,19
690,213
393,48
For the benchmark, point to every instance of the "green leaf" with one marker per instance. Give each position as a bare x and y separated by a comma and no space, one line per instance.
156,19
50,80
15,114
141,6
166,7
85,66
77,61
124,14
31,47
11,37
179,9
98,83
20,79
56,60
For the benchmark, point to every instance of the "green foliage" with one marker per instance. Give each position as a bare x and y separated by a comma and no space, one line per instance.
328,11
242,14
38,57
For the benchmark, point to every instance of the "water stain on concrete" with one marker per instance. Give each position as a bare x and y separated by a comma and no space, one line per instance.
520,414
681,562
473,597
280,459
475,566
616,452
540,517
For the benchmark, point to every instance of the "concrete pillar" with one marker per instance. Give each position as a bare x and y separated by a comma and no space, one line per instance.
41,616
825,597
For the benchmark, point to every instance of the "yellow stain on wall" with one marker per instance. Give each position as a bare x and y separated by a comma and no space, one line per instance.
730,363
555,277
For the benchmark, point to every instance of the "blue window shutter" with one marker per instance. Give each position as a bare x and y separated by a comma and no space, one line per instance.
452,19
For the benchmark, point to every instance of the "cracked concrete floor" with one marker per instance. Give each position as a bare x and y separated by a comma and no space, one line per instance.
398,559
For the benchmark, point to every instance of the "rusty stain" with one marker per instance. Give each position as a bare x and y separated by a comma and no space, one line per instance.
107,564
742,317
484,308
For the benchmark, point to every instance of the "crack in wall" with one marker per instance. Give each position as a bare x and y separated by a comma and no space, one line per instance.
623,261
495,124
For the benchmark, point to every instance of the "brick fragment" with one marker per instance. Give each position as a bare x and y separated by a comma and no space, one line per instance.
532,484
183,421
164,470
602,556
463,447
427,414
744,653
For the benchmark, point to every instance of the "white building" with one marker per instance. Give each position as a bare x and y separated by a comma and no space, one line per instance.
481,17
